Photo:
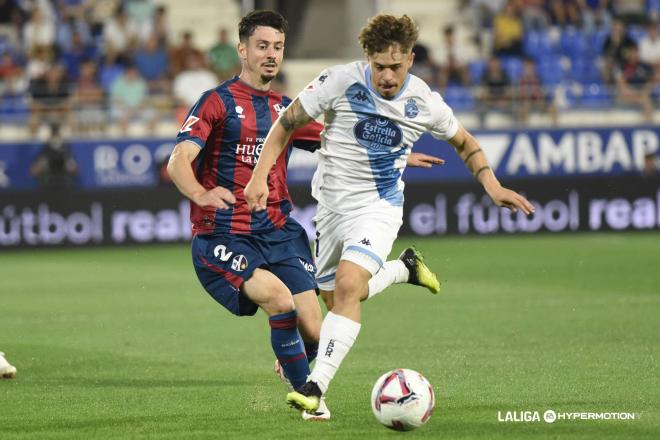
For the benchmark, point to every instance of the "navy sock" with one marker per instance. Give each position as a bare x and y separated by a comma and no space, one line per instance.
288,347
311,349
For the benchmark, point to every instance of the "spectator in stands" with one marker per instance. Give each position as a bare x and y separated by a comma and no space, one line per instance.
8,67
483,14
10,22
89,114
119,33
13,85
508,31
595,14
140,14
129,99
39,61
73,57
564,13
534,16
55,167
649,47
72,27
184,51
152,61
112,67
38,31
50,97
495,91
453,66
613,50
634,82
424,67
159,26
190,83
223,57
531,95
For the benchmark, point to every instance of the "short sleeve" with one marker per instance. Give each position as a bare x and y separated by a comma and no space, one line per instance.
207,112
443,124
320,95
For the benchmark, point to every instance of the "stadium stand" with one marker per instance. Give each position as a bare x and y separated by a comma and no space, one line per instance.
581,66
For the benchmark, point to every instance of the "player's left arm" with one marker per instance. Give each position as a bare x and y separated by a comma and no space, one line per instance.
475,160
256,191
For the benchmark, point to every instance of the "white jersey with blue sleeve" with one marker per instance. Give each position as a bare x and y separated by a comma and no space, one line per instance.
367,139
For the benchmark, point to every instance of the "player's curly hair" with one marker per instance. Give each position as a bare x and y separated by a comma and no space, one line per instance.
384,30
261,17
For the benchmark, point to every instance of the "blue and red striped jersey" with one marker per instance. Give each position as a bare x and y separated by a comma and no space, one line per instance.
229,124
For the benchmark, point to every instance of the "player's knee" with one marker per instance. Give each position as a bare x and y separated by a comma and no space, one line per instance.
279,301
349,288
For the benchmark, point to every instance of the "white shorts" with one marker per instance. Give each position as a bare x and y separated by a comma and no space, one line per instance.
364,238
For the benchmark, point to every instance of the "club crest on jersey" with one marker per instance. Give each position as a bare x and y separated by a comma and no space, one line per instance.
279,108
378,133
187,126
239,112
239,263
411,109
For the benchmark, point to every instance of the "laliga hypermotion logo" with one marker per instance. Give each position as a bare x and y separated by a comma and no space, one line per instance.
239,263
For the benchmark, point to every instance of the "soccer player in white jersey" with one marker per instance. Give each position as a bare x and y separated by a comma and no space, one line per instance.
374,112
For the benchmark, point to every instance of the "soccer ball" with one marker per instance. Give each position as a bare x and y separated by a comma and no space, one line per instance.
402,399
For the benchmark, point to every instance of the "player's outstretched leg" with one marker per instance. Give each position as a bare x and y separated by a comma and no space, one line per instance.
7,370
420,274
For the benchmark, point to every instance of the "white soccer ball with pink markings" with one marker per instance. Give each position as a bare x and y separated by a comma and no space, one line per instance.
402,399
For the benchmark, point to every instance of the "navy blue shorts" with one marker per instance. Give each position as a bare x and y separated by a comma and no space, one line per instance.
224,261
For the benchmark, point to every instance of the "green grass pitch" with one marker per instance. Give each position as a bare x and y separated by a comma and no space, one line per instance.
123,343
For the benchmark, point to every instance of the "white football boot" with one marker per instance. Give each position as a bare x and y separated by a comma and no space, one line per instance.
7,371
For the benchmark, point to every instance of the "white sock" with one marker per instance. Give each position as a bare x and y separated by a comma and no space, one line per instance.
392,272
338,334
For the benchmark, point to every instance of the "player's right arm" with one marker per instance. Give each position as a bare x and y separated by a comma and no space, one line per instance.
294,117
180,170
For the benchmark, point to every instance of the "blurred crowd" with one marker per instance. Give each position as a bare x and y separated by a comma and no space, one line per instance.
85,63
82,63
547,55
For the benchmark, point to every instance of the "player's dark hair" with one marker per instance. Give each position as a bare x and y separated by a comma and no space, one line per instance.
383,31
261,17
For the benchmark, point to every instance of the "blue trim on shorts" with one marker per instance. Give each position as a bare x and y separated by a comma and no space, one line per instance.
366,252
325,278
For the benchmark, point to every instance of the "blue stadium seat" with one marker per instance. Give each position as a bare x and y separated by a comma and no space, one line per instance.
513,68
550,70
573,43
459,98
585,70
596,96
476,71
537,44
597,40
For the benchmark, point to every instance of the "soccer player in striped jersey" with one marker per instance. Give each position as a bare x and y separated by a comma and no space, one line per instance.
249,260
375,111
